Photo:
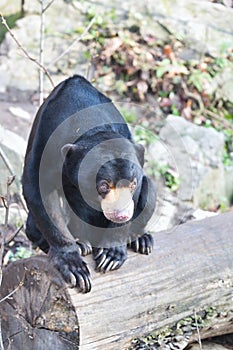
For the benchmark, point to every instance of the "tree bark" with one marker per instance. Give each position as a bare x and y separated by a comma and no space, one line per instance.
22,8
184,288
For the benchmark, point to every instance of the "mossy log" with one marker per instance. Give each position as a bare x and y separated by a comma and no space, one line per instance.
185,285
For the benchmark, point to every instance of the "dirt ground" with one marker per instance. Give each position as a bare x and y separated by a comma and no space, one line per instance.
18,124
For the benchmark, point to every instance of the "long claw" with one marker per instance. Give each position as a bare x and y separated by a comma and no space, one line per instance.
102,260
105,263
87,284
109,267
115,265
81,283
142,245
79,249
72,281
100,251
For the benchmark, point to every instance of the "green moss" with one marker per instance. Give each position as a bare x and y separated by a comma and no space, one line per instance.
21,253
170,176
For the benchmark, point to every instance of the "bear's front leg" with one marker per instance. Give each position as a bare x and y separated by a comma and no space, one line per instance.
108,259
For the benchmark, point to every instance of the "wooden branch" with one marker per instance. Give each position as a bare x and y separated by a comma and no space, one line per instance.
86,30
26,54
41,56
12,173
184,287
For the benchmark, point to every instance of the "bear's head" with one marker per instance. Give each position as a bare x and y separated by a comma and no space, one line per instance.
108,176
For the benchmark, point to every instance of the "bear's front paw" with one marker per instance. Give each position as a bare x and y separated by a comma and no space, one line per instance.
74,270
143,244
108,259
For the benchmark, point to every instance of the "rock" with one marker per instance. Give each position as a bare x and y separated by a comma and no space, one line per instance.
202,27
57,40
9,7
207,346
224,84
166,211
199,24
18,125
195,153
19,112
229,183
200,214
14,148
228,3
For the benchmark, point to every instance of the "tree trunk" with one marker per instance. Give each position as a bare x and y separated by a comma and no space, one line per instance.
183,288
22,8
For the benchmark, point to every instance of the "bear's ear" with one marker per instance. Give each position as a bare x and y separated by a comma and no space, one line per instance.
140,150
67,148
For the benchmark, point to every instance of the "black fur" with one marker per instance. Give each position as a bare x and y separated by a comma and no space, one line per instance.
74,121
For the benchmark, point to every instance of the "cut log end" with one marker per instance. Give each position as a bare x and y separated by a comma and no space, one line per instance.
185,286
39,311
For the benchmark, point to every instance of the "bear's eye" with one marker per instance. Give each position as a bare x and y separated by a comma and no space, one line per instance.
133,185
103,187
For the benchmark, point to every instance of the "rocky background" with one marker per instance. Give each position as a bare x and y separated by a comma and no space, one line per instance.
167,65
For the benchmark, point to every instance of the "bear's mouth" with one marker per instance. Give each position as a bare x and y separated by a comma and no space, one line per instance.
120,216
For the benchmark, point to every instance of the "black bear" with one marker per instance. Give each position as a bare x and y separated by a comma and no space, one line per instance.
83,183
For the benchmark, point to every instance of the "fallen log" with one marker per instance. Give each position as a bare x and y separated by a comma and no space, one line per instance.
184,288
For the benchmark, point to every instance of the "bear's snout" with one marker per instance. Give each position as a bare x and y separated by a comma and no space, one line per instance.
118,206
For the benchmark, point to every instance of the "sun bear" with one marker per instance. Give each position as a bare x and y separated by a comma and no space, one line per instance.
84,184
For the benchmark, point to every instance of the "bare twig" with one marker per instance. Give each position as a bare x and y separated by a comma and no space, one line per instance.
74,43
1,254
11,293
4,201
10,180
1,341
219,119
2,245
25,51
193,96
9,344
49,4
21,283
198,332
12,173
6,162
12,236
3,234
41,59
